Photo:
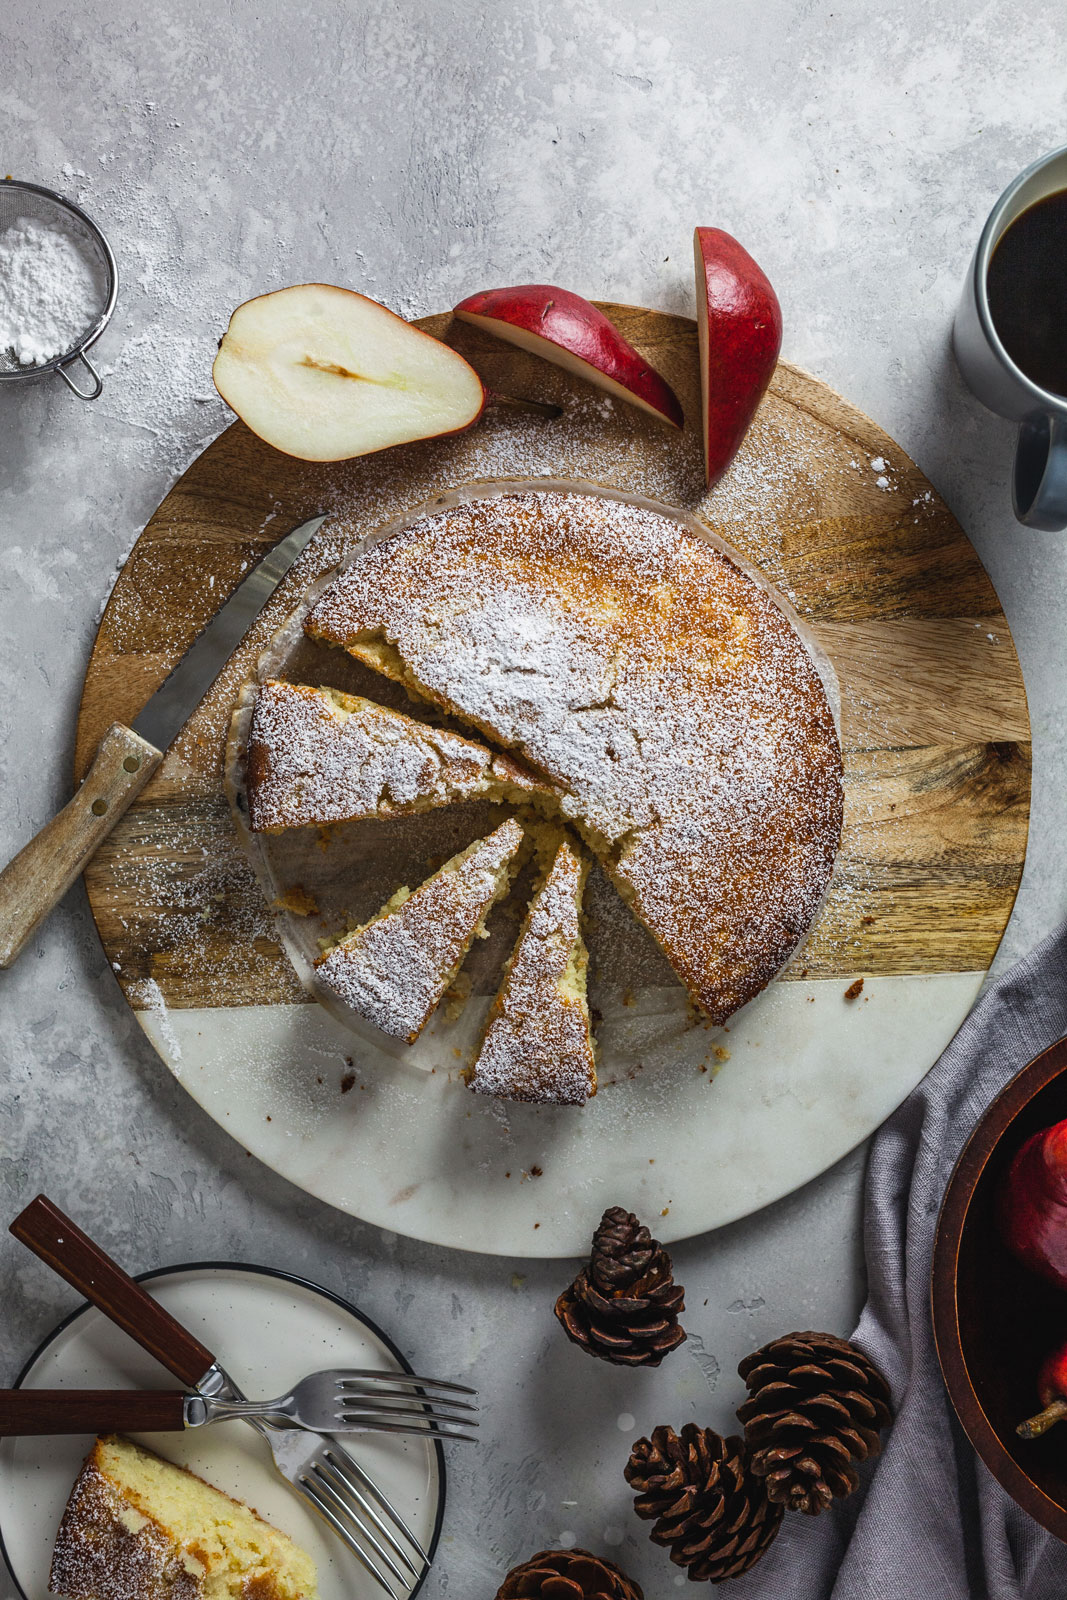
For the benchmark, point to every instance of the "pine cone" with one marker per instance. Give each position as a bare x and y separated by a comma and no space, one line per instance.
624,1305
710,1511
816,1405
568,1575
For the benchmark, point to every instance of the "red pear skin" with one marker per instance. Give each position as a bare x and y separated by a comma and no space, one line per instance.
1032,1204
570,331
740,323
1052,1392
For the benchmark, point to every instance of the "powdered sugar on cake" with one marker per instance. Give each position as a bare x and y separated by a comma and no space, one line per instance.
537,1043
660,687
394,970
319,756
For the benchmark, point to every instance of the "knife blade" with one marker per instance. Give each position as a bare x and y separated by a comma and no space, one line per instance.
36,879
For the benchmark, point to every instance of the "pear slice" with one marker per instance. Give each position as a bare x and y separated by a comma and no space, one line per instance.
573,333
739,326
325,374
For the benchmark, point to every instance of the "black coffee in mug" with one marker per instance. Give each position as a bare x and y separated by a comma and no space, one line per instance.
1027,289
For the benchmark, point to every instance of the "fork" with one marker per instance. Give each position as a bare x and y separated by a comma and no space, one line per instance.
337,1401
320,1471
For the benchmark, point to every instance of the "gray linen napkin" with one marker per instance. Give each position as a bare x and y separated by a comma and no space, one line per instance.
930,1523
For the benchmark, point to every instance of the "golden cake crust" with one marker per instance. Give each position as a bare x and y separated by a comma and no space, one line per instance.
537,1044
653,682
322,756
395,968
99,1554
111,1545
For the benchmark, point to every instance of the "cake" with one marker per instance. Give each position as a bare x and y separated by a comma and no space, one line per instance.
395,968
137,1527
320,756
658,687
537,1043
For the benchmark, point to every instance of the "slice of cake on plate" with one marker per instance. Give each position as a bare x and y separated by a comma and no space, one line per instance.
538,1045
137,1527
394,969
320,756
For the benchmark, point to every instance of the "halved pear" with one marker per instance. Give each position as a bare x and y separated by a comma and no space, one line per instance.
325,374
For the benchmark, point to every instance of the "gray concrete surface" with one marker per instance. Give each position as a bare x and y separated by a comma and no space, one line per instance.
420,152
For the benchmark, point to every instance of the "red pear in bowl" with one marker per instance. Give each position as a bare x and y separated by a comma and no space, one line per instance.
739,322
1032,1204
325,374
1052,1392
570,331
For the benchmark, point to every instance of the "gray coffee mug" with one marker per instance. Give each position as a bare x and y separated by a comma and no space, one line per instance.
1039,480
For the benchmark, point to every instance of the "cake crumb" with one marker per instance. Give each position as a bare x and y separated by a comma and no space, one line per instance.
854,990
298,901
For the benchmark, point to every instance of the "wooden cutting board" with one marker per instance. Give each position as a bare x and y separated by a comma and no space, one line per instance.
935,723
934,727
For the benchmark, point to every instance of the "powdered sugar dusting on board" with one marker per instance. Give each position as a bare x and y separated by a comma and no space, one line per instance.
537,1043
657,684
394,970
148,996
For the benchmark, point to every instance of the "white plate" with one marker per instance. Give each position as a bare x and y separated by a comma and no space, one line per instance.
271,1329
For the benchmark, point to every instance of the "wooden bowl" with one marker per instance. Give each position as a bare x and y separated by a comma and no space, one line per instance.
994,1321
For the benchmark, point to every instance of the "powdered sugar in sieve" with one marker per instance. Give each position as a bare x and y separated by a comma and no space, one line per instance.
58,284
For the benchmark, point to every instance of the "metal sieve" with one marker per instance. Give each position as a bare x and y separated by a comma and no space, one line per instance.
30,200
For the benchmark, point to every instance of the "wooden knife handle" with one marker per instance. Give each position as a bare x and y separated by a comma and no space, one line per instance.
26,1411
43,871
71,1253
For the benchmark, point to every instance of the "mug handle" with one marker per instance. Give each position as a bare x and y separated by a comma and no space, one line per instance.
1039,480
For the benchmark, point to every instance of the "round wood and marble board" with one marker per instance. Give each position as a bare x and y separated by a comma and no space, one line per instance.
693,1126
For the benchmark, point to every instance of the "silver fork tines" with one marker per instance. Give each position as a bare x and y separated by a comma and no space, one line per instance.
327,1488
387,1410
343,1495
375,1377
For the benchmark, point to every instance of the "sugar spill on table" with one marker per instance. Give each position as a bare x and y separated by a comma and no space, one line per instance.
176,900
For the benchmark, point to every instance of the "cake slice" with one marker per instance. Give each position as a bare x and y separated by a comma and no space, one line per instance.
320,756
137,1527
394,969
537,1044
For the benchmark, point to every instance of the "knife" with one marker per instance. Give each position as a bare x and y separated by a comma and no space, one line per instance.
126,757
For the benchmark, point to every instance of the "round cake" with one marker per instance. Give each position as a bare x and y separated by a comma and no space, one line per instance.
637,668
